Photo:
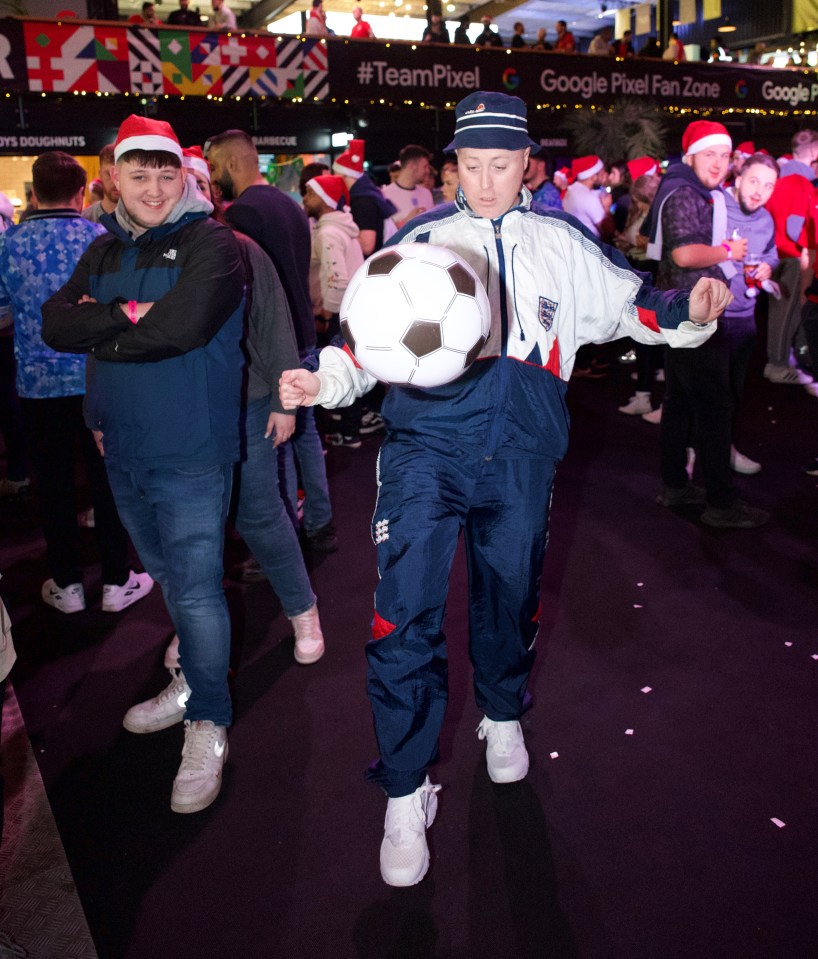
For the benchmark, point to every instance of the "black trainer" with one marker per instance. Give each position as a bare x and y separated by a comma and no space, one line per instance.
321,540
689,495
738,516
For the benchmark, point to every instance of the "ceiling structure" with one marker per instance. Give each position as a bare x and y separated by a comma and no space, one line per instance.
584,17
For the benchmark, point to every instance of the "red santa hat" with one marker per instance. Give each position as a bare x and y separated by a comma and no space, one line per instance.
584,167
193,159
642,166
746,149
142,133
351,162
331,188
703,134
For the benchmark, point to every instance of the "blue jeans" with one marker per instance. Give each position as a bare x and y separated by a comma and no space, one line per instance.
262,520
305,446
176,520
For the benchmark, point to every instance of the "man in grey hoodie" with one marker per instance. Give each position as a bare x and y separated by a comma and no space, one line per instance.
747,218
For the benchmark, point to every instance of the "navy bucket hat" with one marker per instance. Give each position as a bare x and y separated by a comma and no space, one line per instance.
488,121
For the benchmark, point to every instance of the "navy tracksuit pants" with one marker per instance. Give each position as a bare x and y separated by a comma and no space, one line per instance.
426,497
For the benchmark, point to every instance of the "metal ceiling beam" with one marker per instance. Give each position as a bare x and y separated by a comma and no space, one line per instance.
257,17
494,8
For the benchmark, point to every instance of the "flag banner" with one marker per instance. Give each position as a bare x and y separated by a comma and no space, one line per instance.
47,56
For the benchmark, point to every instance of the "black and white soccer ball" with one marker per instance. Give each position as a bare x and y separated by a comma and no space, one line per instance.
415,315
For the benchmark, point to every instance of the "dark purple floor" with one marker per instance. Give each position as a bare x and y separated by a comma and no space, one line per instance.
655,845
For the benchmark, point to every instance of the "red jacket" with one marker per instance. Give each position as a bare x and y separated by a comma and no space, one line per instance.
789,206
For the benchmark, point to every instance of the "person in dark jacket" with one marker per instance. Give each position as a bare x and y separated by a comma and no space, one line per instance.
280,227
371,210
488,37
435,31
159,303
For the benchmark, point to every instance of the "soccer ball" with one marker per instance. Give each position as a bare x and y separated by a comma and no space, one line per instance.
415,315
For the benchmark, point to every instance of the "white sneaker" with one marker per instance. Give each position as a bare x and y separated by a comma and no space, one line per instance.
166,709
743,464
776,373
404,851
172,653
653,417
506,755
117,598
200,775
309,641
71,599
638,404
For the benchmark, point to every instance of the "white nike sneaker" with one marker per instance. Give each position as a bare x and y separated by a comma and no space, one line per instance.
166,709
70,599
117,598
309,640
506,755
172,653
404,851
200,775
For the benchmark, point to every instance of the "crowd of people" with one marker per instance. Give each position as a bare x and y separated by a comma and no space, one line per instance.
183,329
562,39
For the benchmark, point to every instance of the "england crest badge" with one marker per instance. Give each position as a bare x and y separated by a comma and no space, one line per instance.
547,312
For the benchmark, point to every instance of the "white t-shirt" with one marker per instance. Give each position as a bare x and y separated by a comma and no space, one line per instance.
585,205
416,200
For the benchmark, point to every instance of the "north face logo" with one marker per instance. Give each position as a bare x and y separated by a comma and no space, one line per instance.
547,311
170,255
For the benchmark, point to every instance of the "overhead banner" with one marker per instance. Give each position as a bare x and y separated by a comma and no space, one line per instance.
60,57
404,72
46,56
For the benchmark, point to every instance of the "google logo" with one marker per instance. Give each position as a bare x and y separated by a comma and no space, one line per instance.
741,89
510,79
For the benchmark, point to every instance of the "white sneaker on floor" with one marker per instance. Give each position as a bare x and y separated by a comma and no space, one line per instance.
638,404
70,599
172,653
743,464
506,755
117,598
166,709
653,417
200,775
404,850
776,373
309,641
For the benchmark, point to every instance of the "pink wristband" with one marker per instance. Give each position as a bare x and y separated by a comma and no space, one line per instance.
729,250
133,316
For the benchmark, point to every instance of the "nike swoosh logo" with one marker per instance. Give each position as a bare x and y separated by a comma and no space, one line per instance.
182,700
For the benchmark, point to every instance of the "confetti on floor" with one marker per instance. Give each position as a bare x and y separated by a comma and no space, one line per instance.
788,643
778,822
629,732
637,606
554,755
646,689
815,655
